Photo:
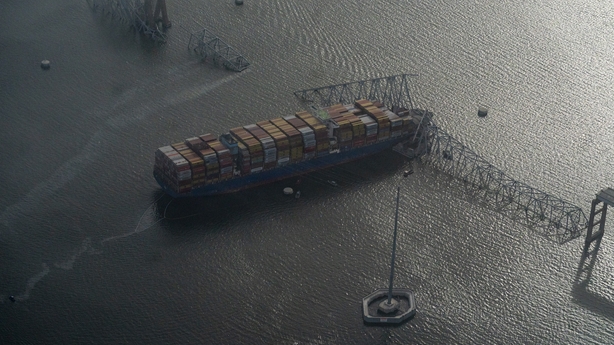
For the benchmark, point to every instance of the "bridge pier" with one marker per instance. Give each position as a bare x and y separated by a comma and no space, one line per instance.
161,8
603,199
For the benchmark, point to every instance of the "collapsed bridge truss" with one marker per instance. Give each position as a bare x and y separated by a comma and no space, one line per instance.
557,218
206,44
129,12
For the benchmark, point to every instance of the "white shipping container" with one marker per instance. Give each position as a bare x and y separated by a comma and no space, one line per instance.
180,163
308,137
268,146
184,175
256,170
167,149
367,120
306,130
283,161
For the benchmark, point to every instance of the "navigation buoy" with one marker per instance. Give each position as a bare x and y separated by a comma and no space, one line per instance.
482,111
238,2
12,298
288,191
45,64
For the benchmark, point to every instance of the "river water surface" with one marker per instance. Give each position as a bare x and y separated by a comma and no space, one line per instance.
94,253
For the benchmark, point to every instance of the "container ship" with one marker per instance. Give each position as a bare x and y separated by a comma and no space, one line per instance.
276,149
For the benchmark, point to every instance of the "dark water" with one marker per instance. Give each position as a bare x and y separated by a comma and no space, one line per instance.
94,253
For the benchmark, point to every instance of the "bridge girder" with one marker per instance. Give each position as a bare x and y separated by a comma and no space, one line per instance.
556,217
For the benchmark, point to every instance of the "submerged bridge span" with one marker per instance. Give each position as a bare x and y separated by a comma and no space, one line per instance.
139,14
556,218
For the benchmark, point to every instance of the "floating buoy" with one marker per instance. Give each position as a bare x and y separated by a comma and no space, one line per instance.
482,111
298,194
45,64
238,2
12,298
288,191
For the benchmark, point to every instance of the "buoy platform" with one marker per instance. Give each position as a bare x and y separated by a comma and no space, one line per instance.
374,306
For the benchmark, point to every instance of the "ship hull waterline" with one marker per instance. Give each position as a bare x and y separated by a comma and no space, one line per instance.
280,173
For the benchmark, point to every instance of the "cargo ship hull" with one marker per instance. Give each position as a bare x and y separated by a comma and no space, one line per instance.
280,173
277,149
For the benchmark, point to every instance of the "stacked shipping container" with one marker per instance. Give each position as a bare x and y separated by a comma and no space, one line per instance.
396,123
224,159
383,122
268,144
197,166
295,140
307,134
174,169
320,132
370,129
281,141
253,146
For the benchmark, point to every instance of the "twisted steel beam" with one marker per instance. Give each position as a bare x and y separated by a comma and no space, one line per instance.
206,44
129,12
558,219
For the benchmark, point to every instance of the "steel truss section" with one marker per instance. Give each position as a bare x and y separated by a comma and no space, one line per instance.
393,91
206,44
128,12
556,217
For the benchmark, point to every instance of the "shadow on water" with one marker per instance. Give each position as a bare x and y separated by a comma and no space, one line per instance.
387,325
580,291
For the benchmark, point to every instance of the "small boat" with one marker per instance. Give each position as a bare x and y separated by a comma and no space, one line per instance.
332,183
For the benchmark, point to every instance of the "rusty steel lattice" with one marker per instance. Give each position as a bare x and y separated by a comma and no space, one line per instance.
393,91
206,44
556,217
129,12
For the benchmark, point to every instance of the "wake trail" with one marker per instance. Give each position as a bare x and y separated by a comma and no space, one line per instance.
32,282
30,203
